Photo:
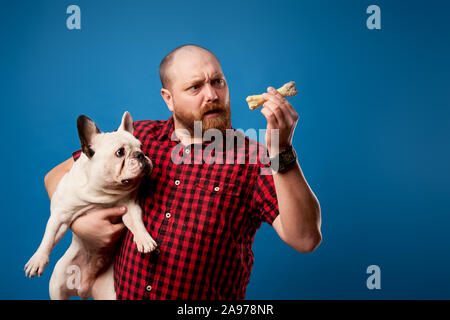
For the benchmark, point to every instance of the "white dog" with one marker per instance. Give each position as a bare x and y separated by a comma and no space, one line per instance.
107,174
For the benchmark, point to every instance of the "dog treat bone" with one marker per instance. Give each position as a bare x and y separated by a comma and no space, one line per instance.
288,90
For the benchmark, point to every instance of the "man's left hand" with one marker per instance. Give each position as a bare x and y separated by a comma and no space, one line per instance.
280,115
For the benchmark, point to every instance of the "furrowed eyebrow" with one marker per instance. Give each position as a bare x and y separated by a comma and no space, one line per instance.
196,80
217,76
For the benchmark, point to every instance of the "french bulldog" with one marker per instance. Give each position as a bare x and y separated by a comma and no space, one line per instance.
107,174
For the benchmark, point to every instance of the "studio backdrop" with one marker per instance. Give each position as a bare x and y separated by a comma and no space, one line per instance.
372,139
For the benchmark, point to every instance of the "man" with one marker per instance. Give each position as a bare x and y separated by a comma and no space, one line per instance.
204,216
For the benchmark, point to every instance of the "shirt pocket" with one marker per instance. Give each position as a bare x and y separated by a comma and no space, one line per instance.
215,188
219,209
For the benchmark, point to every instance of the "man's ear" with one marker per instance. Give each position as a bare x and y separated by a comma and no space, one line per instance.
87,130
167,96
127,123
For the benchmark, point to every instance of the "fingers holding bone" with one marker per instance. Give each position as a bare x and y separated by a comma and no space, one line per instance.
287,90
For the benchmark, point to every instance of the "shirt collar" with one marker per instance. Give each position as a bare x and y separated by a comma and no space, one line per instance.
167,130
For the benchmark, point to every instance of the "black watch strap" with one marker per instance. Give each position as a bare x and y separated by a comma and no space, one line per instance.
284,160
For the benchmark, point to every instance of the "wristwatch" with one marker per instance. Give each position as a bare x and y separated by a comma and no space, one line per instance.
285,159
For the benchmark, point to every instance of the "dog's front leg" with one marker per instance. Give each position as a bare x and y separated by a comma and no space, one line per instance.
54,231
133,221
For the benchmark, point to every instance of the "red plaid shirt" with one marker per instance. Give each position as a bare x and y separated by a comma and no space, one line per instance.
203,216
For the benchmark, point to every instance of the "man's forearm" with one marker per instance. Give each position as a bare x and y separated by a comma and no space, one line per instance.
299,210
52,178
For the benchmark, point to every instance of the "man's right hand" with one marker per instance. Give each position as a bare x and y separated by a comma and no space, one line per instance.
100,228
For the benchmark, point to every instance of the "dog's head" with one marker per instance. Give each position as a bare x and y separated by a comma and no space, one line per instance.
115,158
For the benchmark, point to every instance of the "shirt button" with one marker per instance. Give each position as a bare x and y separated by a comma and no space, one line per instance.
187,151
216,189
168,215
177,182
148,288
157,251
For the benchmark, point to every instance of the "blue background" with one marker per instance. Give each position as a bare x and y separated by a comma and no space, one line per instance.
372,137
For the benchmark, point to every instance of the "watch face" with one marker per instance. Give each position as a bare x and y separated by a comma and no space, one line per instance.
286,158
289,156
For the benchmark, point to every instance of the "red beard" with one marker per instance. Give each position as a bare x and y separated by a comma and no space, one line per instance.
220,121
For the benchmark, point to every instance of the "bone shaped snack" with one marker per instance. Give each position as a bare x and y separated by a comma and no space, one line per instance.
288,90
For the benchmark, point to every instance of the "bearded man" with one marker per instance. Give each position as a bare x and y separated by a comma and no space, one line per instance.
204,216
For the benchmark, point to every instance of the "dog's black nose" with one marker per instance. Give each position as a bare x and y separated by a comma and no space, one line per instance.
140,155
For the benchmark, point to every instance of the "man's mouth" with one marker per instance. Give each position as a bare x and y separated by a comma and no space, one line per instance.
212,113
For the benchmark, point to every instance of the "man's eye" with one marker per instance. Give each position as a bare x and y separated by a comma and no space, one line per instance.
120,152
219,82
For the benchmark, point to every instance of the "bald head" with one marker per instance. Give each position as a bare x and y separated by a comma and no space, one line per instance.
172,57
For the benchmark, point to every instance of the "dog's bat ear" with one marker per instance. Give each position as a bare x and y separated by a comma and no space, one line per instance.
127,123
87,130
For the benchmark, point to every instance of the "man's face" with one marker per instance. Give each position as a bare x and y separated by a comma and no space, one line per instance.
199,91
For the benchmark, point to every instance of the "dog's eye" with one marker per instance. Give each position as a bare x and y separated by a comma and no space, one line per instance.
120,152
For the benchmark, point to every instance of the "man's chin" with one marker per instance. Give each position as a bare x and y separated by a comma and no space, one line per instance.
220,123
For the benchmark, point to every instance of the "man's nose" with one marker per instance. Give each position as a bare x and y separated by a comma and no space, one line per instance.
210,93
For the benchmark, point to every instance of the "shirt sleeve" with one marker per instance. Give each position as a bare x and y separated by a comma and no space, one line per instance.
265,201
76,155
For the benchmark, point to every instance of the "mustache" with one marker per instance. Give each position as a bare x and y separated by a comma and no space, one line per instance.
212,107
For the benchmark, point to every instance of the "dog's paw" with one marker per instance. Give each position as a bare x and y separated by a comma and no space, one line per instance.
145,243
36,265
